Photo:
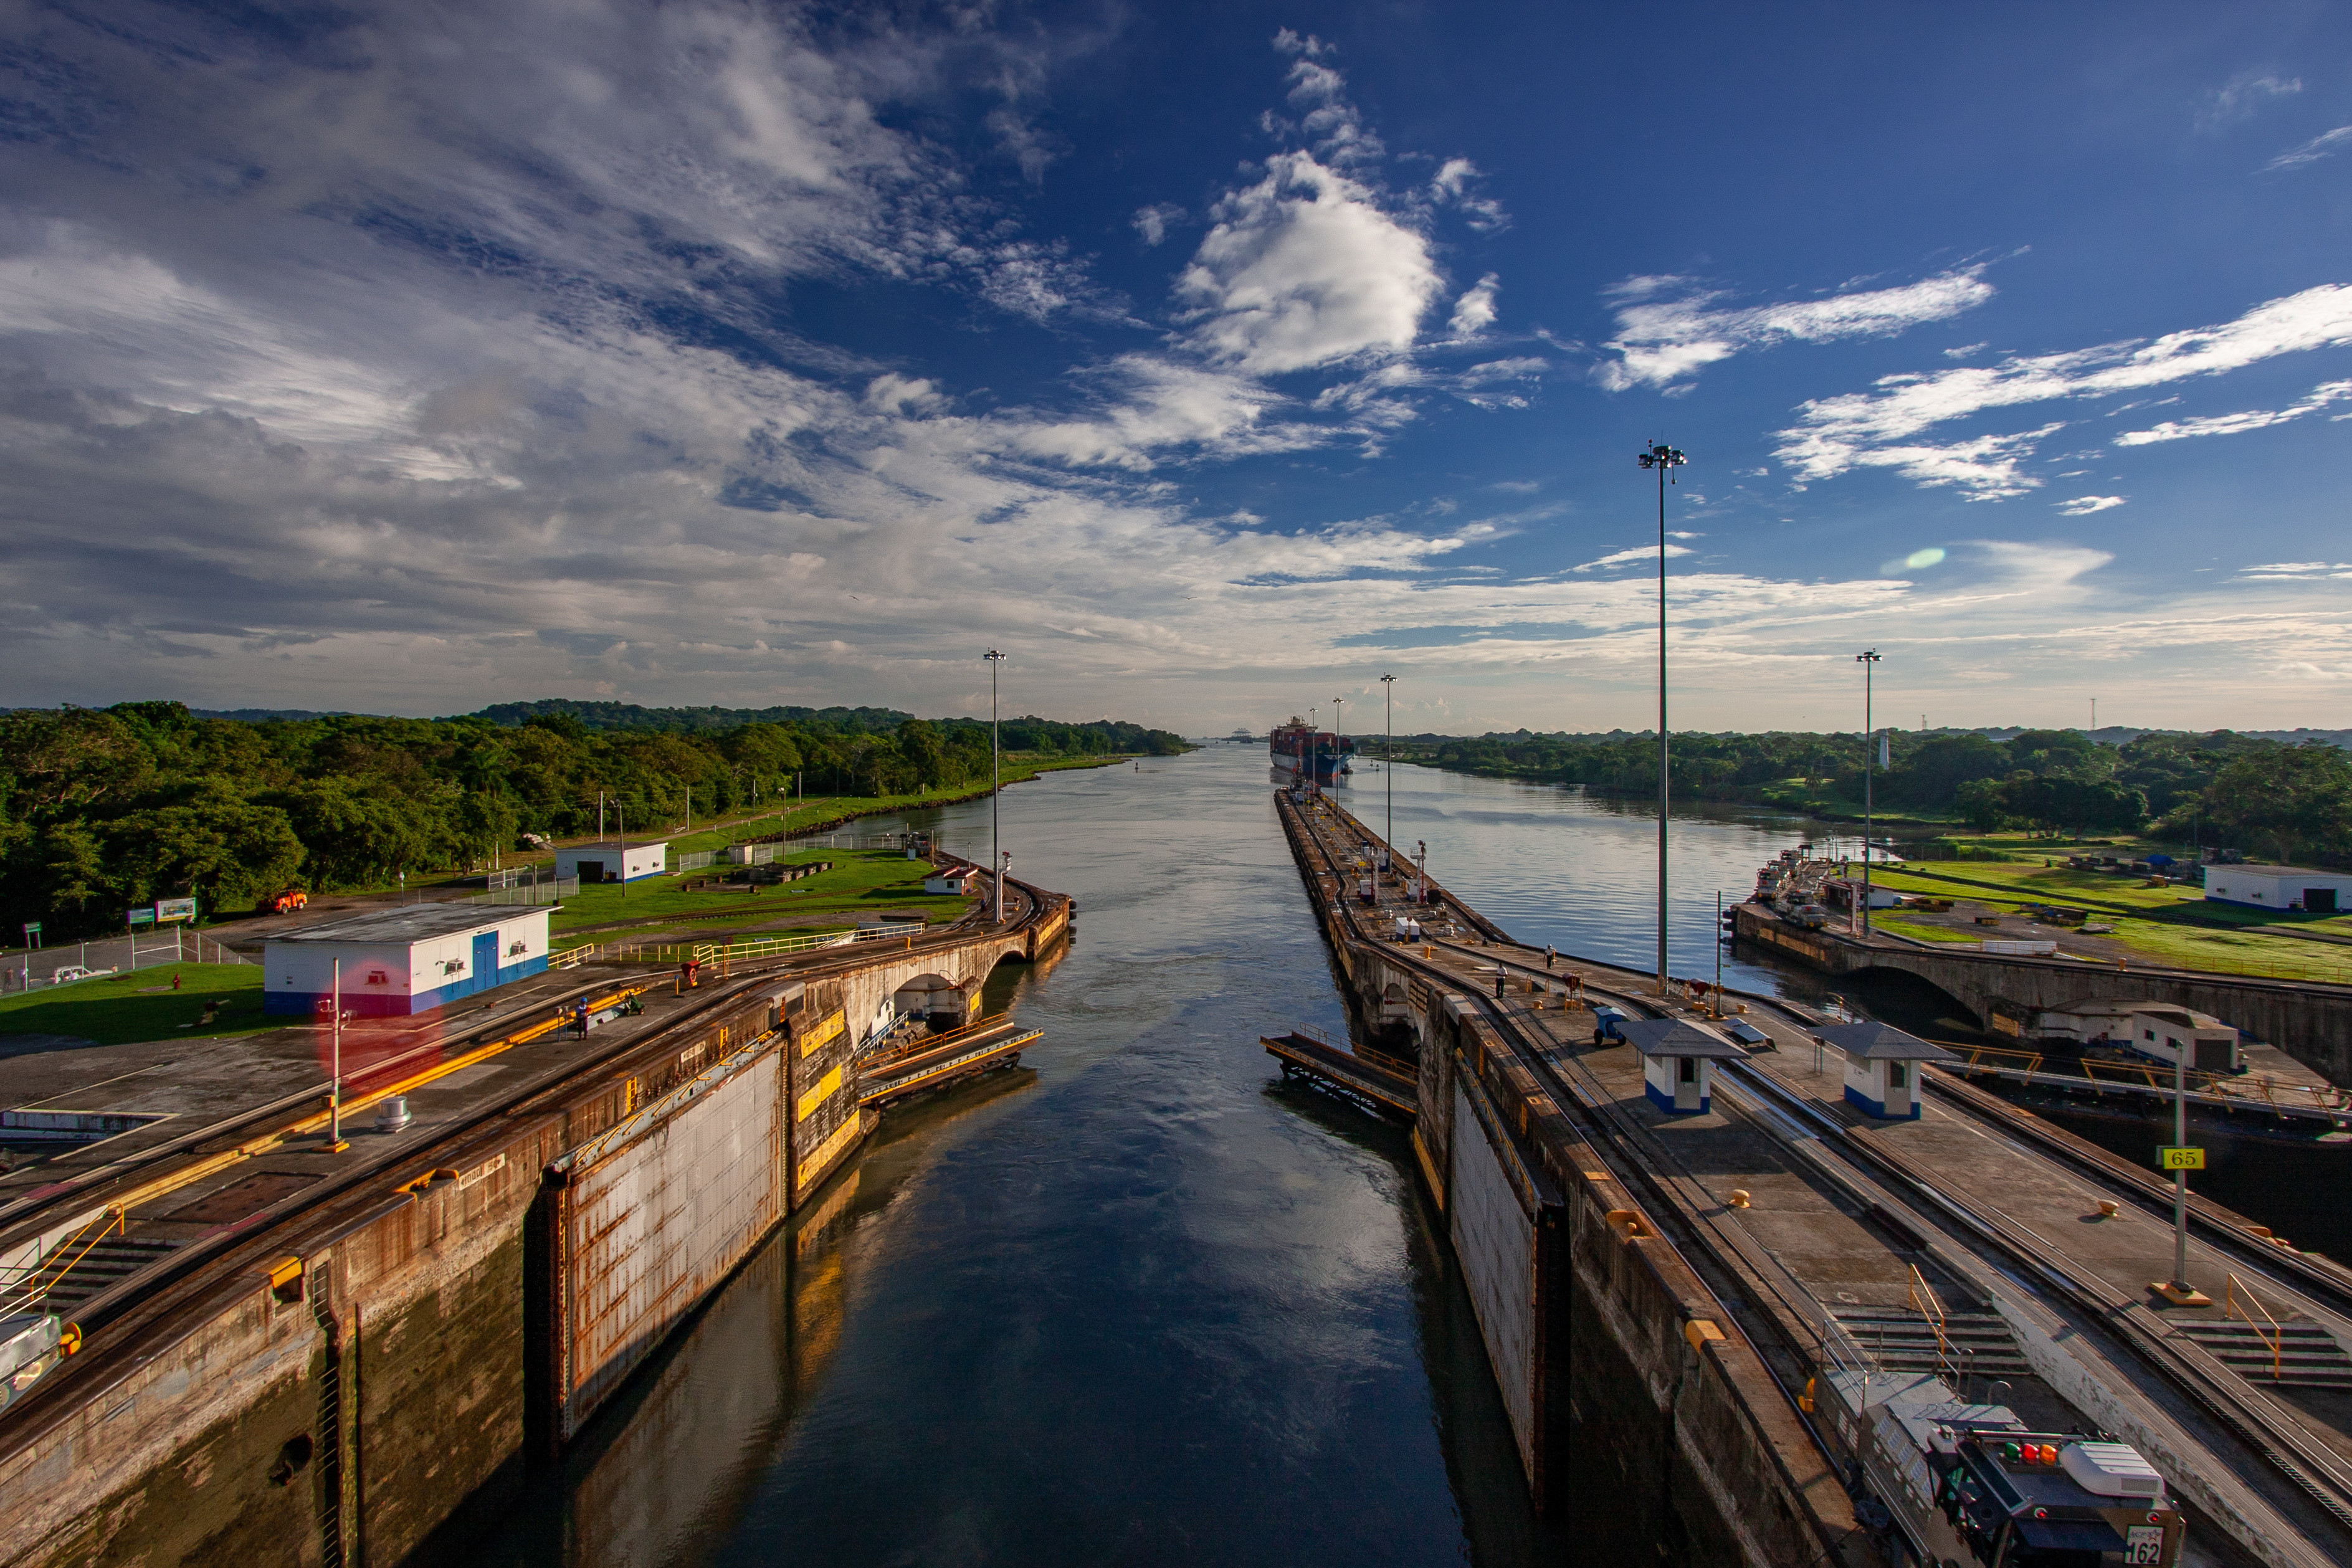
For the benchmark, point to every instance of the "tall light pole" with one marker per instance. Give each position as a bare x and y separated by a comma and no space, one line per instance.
996,786
1388,763
1868,660
1314,746
1666,460
1336,738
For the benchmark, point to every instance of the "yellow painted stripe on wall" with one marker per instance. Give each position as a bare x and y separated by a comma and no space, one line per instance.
824,1031
821,1091
817,1159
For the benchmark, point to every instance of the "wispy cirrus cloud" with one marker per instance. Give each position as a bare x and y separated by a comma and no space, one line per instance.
2239,98
2312,151
1639,552
1669,329
2321,396
2083,505
1883,428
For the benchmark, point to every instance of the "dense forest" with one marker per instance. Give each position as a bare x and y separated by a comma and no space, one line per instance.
2264,796
101,809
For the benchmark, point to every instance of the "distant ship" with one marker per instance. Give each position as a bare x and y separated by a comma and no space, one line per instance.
1241,736
1300,753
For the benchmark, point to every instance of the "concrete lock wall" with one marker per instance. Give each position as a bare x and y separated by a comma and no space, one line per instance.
385,1402
653,1215
1635,1387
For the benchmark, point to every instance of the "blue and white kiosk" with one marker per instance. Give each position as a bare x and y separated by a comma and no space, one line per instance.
1881,1066
1678,1061
405,960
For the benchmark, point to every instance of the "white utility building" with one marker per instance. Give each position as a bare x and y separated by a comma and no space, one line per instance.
408,959
593,864
2280,887
1881,1066
2159,1030
1678,1062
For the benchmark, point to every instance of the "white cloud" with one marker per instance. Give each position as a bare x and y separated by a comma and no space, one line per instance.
1452,187
2241,95
2299,570
2083,505
2232,424
1962,353
1881,429
1660,342
1305,268
2312,151
1289,42
1152,222
1474,311
1639,552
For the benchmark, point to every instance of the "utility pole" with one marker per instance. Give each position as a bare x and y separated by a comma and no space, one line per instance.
1388,763
996,786
1719,952
1868,660
1664,459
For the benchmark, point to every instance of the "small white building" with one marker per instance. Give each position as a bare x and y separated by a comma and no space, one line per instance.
961,881
2160,1031
1678,1062
593,864
1881,1066
404,961
2280,887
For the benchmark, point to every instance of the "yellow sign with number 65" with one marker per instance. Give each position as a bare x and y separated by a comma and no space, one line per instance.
2173,1157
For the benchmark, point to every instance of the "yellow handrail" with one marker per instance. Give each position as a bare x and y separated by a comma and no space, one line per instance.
1924,1302
36,1289
2275,1340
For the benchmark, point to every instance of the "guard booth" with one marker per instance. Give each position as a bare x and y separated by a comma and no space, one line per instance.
1678,1061
1881,1066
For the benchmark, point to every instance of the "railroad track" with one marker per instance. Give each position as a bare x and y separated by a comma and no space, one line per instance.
2002,1246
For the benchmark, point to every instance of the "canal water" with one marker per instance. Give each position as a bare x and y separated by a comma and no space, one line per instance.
1140,1302
1137,1303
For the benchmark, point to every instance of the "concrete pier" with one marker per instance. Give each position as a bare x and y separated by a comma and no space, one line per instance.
345,1356
1680,1290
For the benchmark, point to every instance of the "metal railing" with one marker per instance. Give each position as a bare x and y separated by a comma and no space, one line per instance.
719,952
2276,1341
1924,1302
2155,1078
55,1265
554,890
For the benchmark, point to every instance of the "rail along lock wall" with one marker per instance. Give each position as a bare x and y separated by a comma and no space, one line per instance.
403,961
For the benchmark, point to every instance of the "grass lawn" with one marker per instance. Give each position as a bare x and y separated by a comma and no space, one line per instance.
118,1008
862,882
1881,921
2172,926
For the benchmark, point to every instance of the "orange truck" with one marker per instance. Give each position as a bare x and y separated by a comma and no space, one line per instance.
288,902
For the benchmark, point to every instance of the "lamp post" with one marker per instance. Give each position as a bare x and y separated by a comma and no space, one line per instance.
1666,460
996,786
335,1086
1868,660
1336,738
1314,745
1388,761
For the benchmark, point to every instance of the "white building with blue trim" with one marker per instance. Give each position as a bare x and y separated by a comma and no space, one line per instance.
1678,1062
1883,1066
408,959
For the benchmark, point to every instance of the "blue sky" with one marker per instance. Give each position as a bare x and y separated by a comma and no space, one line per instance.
1209,360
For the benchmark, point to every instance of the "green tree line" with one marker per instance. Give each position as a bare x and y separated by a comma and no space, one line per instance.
102,809
2264,796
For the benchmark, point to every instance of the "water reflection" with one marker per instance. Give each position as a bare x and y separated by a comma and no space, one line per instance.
1133,1305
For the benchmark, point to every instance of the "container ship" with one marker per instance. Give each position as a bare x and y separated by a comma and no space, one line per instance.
1300,753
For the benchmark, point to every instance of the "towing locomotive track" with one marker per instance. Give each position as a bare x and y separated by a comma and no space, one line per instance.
2310,1488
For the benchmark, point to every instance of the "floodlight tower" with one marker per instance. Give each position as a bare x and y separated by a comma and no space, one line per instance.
1388,762
1868,660
995,787
1666,460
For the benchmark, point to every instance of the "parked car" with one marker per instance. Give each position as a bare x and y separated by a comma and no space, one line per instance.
73,972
